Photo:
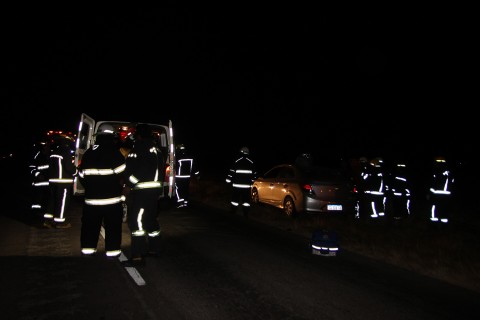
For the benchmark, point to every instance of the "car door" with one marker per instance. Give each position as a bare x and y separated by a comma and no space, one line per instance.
281,186
84,138
267,189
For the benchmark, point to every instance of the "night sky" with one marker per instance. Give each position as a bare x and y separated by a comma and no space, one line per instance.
281,81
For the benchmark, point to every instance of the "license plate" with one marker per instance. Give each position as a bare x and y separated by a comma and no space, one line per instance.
334,207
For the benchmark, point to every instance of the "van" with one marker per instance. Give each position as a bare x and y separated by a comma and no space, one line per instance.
163,135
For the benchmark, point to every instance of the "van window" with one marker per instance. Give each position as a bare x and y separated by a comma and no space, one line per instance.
83,137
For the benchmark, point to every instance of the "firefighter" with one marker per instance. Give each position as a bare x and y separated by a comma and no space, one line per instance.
186,168
359,173
241,175
441,191
101,174
39,174
61,171
399,191
144,176
374,192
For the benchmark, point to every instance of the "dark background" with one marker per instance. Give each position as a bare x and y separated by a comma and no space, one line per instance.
338,83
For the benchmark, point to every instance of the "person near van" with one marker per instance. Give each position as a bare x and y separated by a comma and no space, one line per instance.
39,176
101,174
144,175
186,168
241,175
61,171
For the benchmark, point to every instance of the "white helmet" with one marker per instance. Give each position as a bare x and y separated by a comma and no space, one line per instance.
244,150
105,128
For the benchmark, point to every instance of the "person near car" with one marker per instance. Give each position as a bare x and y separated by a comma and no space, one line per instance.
359,176
304,160
375,198
144,174
39,176
61,171
186,169
440,192
398,191
101,174
241,174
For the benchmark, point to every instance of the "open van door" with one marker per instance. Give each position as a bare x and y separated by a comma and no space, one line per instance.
171,160
84,139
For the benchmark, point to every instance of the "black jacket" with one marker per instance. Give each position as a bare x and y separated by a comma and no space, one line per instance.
61,168
101,170
242,172
145,168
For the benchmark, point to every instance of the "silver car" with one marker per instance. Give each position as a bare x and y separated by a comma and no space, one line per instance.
312,189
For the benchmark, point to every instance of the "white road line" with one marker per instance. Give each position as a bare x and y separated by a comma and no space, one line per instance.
135,276
132,271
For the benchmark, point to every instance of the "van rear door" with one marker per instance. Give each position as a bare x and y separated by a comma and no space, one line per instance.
84,139
171,162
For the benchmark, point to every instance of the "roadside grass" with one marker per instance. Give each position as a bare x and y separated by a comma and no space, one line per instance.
447,252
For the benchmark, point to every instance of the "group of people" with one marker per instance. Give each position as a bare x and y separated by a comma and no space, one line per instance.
52,171
109,178
112,177
387,191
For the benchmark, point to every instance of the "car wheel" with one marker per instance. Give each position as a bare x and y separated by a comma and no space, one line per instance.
289,207
255,196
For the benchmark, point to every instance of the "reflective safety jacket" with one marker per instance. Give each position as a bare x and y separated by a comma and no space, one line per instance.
186,166
39,169
398,184
101,173
442,181
242,173
61,168
145,167
374,181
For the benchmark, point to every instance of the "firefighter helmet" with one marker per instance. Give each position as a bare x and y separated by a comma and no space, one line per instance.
440,159
105,128
376,162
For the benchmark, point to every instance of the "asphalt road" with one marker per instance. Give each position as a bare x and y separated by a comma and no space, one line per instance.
214,265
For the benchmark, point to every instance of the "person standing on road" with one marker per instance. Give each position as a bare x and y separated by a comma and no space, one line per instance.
398,194
185,169
359,177
101,174
241,175
61,171
375,189
39,174
441,191
144,174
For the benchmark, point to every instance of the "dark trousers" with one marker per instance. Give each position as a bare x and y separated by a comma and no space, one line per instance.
40,196
241,197
59,200
92,219
143,222
443,206
182,186
398,207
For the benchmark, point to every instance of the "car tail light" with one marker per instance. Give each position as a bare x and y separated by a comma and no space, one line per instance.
167,173
307,188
